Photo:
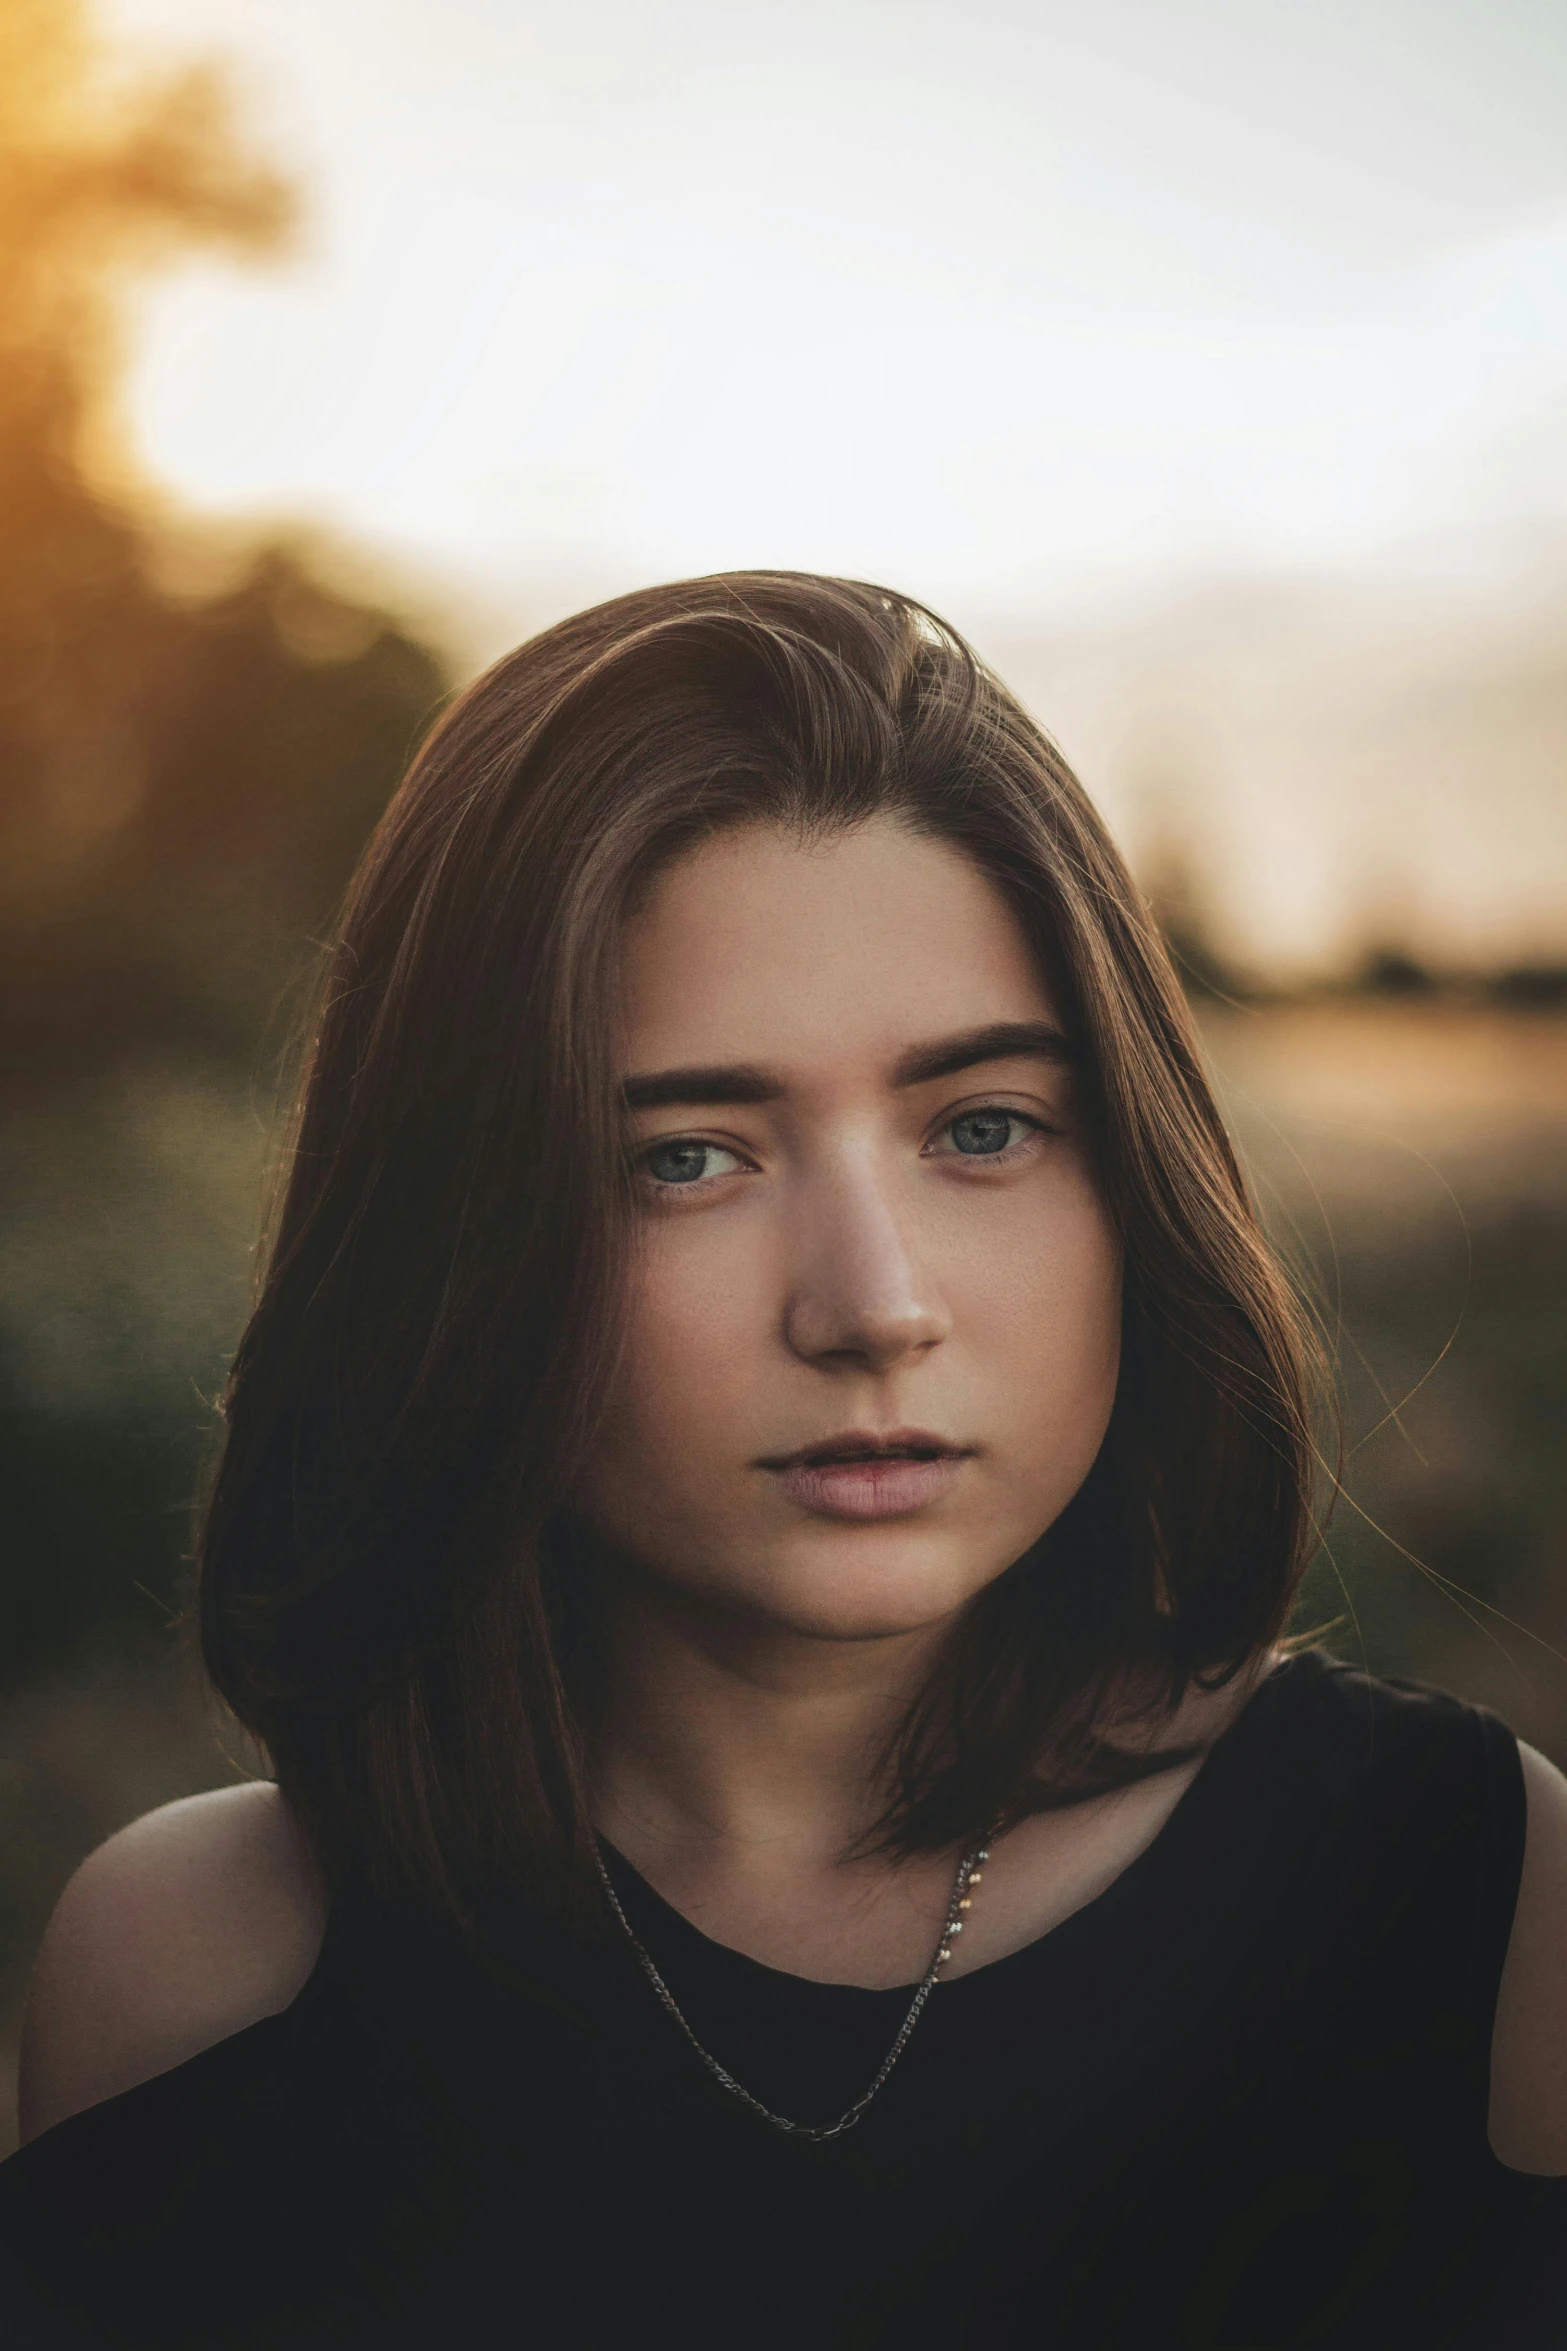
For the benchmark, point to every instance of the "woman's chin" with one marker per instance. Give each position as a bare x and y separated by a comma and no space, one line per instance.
847,1600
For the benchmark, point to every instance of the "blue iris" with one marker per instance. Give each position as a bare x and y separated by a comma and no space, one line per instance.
980,1132
678,1163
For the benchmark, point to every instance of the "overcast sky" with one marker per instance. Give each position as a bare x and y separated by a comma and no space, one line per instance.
1013,302
1057,316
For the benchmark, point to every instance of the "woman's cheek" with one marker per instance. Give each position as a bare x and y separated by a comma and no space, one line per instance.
1049,1271
1058,1329
692,1346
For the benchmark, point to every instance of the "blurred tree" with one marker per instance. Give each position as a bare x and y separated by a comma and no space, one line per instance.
1533,985
1393,971
1182,908
184,781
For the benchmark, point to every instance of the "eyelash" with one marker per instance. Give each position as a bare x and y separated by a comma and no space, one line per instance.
1003,1157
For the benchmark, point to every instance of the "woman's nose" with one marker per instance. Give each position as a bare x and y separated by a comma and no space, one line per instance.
859,1294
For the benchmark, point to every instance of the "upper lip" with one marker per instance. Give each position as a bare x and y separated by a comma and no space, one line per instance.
869,1445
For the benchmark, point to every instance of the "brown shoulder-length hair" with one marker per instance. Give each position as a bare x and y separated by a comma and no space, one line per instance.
386,1592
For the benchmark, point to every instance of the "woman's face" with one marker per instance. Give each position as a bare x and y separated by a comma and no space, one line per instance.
873,1331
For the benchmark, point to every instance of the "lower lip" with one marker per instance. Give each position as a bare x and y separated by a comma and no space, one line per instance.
870,1489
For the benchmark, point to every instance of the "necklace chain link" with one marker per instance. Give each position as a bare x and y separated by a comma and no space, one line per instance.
968,1875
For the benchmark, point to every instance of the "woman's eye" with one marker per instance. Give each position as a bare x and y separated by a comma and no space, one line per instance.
981,1134
683,1162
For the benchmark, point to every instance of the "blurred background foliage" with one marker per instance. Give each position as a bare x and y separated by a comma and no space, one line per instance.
198,729
196,735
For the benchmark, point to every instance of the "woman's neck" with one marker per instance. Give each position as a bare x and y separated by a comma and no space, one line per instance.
739,1767
714,1732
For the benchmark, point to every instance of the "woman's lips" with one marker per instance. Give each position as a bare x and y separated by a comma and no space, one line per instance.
888,1484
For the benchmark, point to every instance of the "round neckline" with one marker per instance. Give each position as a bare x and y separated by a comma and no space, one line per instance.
1160,1853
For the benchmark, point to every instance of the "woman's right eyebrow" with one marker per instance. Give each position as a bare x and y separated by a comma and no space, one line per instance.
690,1089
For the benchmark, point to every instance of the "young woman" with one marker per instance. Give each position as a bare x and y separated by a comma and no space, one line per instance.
760,1500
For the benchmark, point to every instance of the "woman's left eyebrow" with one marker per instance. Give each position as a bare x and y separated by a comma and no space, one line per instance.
999,1040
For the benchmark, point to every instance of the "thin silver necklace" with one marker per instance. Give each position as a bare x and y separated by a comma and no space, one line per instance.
968,1875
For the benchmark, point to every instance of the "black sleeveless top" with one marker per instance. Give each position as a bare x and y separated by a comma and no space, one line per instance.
1236,2103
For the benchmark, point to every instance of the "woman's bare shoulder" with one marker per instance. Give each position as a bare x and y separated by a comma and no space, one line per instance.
1529,2048
196,1921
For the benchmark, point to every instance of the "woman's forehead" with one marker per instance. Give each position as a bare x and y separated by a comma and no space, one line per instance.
760,946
